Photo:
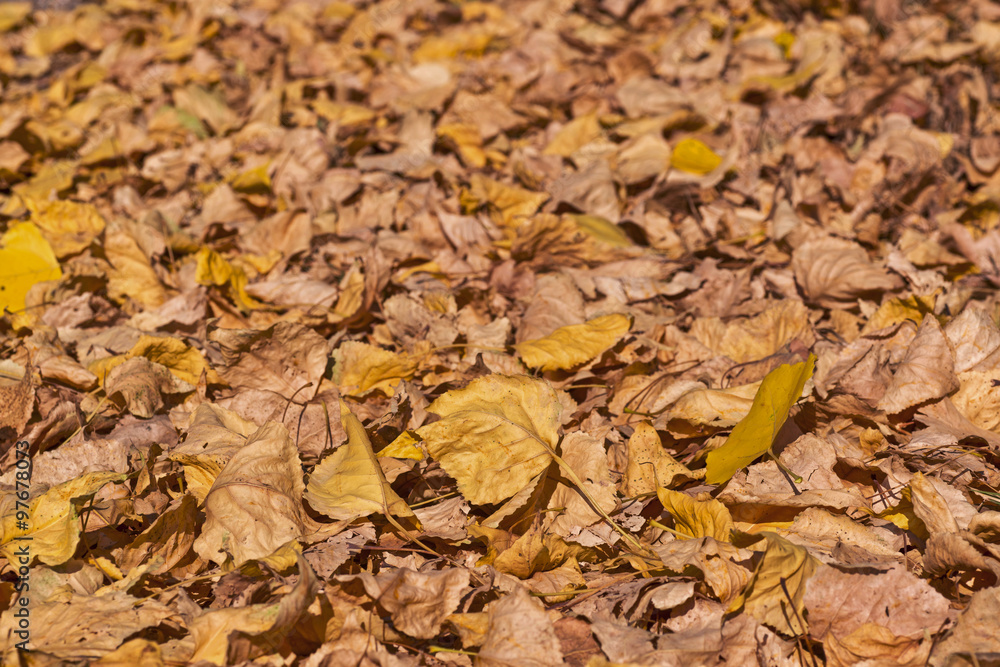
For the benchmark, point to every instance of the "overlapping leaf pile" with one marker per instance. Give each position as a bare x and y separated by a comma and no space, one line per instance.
521,333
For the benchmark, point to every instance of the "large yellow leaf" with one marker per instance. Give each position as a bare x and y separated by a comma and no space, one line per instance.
52,525
25,259
755,434
349,483
776,590
495,435
697,518
574,344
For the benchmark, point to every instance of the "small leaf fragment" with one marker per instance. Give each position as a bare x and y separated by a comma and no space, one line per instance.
694,157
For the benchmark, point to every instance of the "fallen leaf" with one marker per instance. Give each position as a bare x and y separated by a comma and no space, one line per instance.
575,344
494,435
27,259
754,435
349,483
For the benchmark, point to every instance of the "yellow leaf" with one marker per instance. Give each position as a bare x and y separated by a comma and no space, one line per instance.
253,181
508,205
50,39
495,435
649,464
603,230
360,368
70,227
574,344
133,276
51,179
208,106
446,47
25,259
535,551
694,157
467,140
12,13
900,309
755,433
403,447
349,483
214,269
781,574
54,524
343,114
697,518
180,359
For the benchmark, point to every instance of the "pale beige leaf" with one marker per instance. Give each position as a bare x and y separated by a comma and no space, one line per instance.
520,634
927,372
255,504
418,601
586,456
85,627
840,602
832,271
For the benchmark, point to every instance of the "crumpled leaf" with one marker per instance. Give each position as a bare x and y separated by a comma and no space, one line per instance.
574,344
777,588
697,518
519,633
251,631
495,435
140,383
183,361
54,525
833,271
926,372
755,434
360,368
649,464
349,483
255,504
86,626
419,602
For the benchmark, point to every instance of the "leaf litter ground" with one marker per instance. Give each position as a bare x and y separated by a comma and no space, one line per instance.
522,333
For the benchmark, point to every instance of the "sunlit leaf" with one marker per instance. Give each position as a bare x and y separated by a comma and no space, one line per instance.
574,344
349,483
495,435
694,157
26,258
755,434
